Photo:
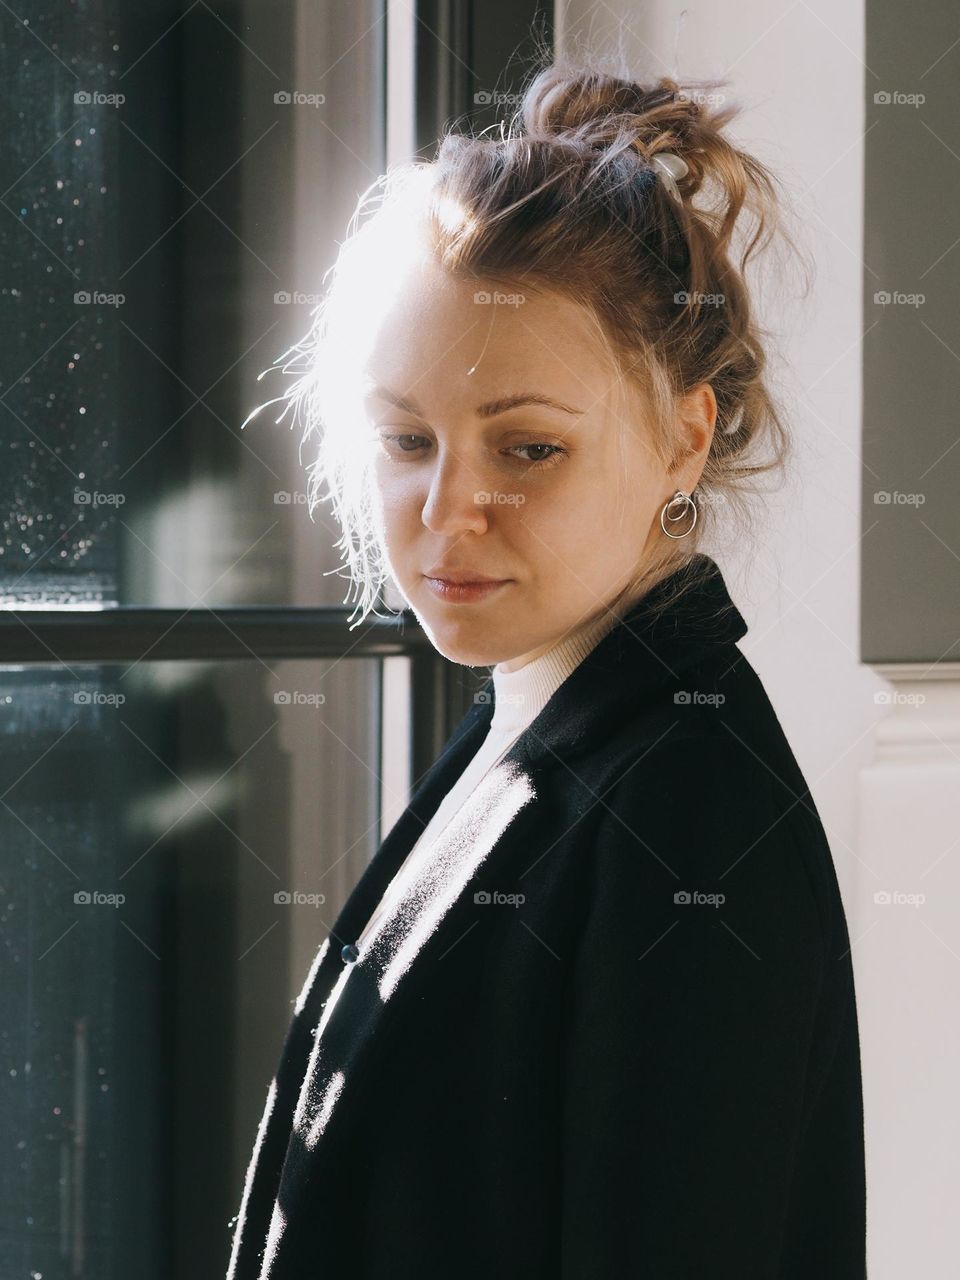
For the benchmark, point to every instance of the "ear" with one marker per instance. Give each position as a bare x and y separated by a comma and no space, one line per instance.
696,419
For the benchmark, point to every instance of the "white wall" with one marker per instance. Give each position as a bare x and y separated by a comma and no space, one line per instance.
799,84
798,72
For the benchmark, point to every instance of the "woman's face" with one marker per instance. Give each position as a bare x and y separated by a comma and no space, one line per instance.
499,455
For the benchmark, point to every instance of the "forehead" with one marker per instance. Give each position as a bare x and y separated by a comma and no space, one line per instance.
444,339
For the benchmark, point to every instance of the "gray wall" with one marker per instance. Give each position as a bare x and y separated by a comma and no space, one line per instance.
910,604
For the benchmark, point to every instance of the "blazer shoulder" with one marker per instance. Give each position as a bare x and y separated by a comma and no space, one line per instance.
700,810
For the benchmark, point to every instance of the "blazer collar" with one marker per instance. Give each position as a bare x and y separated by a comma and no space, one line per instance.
673,626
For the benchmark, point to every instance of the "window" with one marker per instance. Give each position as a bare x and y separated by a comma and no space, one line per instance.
197,757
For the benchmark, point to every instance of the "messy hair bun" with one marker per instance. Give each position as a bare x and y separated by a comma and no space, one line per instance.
592,108
597,115
569,197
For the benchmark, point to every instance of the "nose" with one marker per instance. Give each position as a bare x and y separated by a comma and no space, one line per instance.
454,502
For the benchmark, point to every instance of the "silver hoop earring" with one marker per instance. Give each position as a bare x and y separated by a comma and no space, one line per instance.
688,506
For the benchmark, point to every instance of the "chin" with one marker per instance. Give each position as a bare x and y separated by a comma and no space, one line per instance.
470,644
467,651
461,633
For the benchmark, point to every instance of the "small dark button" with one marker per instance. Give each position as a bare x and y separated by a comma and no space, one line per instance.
349,952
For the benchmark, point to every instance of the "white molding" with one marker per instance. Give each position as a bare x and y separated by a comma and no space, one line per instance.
923,724
907,968
895,671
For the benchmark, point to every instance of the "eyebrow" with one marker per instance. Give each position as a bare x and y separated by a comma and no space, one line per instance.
492,409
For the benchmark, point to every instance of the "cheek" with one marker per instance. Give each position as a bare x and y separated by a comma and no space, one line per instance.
391,521
547,532
396,497
592,522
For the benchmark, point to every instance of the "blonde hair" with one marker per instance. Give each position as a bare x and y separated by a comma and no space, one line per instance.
568,199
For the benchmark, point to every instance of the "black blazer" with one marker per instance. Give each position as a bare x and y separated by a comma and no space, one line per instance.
612,1030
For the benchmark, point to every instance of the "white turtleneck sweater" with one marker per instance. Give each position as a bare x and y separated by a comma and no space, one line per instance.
521,694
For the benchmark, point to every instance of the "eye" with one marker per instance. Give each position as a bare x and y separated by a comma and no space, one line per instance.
544,459
405,441
409,443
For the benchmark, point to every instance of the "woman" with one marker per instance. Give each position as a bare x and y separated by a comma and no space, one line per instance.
590,1010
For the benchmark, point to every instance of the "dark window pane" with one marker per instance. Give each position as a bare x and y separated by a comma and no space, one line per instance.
140,1033
145,243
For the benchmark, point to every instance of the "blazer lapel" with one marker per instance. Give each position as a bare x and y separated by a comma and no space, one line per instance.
387,954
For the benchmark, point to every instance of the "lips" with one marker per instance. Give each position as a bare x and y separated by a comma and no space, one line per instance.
461,577
465,592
